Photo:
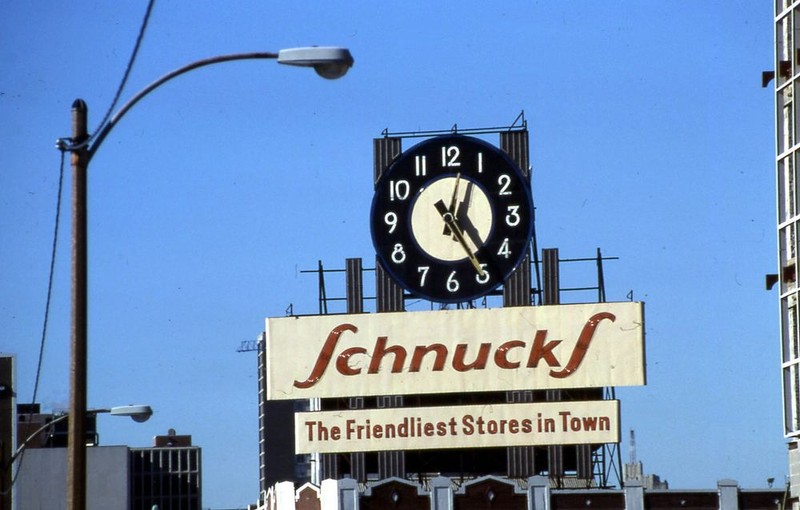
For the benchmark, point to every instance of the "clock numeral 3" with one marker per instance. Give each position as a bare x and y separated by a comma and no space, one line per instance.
512,218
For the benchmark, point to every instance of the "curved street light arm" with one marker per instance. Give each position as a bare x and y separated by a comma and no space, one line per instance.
101,135
138,413
328,62
35,434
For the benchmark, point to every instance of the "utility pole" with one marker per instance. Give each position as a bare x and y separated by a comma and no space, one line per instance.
76,432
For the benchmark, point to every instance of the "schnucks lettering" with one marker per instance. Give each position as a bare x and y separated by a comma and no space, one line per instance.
461,359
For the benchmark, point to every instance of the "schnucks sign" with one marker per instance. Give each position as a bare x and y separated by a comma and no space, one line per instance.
515,348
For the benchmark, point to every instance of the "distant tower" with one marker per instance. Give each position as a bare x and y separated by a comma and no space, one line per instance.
633,469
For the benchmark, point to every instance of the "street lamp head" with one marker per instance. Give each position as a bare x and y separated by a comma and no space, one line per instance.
329,62
138,413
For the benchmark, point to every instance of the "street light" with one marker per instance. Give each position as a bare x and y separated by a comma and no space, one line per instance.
328,62
138,413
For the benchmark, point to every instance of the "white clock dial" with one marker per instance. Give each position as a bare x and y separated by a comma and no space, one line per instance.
470,207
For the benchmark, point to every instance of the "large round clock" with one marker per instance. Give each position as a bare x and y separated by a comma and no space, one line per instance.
451,218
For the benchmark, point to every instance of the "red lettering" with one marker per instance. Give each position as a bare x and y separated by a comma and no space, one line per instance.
582,346
325,355
381,350
544,351
540,350
342,364
480,361
421,350
501,354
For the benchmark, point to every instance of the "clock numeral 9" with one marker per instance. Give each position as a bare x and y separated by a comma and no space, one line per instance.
399,190
398,255
450,156
391,220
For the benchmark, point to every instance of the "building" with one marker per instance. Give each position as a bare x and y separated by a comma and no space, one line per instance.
8,424
535,282
787,85
168,475
497,493
42,478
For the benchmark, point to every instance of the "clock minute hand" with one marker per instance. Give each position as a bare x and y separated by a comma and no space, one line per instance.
451,222
452,207
463,218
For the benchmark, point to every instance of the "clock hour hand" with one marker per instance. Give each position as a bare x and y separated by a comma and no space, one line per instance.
451,222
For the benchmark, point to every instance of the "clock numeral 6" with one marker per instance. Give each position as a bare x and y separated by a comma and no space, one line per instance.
512,218
398,255
452,283
391,219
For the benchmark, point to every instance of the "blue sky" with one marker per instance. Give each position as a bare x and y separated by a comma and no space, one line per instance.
651,138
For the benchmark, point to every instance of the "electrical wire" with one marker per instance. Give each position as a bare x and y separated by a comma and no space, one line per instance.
61,143
128,68
46,314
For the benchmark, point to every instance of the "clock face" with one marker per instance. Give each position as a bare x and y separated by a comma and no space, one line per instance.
451,218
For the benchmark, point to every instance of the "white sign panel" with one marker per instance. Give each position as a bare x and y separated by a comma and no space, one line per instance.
514,348
418,428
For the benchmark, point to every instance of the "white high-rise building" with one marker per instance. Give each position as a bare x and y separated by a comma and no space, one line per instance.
787,86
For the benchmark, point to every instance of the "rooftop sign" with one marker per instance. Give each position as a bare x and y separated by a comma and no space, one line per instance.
473,426
513,348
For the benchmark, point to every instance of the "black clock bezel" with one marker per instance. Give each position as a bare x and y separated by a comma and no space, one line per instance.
495,163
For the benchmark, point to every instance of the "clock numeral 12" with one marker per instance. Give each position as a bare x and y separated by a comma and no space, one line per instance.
450,156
